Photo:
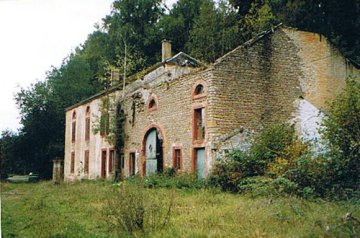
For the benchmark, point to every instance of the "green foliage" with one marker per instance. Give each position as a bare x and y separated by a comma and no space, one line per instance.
215,31
119,131
168,179
229,172
258,18
203,40
8,153
342,131
132,209
277,163
271,143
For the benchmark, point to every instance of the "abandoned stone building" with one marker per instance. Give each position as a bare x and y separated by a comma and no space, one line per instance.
183,114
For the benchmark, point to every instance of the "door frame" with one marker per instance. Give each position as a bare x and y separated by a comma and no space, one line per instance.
143,149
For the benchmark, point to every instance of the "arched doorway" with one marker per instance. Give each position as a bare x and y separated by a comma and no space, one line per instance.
153,152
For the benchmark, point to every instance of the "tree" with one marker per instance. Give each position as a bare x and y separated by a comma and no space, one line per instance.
215,31
176,25
342,131
8,162
134,23
203,40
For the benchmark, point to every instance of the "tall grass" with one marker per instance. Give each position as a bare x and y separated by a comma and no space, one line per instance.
81,210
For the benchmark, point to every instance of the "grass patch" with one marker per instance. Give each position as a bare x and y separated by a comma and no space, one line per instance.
81,210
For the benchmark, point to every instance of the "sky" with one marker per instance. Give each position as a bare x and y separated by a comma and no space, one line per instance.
38,34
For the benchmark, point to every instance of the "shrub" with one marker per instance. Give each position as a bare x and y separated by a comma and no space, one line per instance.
342,131
133,209
229,172
272,143
169,179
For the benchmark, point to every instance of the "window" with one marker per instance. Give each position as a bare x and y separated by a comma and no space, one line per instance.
199,124
199,89
72,163
177,159
86,162
73,127
152,103
87,124
104,123
132,164
111,160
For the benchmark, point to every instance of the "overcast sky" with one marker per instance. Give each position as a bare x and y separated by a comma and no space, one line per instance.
36,34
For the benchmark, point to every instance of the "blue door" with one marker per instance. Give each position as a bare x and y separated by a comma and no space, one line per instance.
200,163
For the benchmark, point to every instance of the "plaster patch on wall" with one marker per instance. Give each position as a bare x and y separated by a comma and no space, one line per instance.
308,120
241,140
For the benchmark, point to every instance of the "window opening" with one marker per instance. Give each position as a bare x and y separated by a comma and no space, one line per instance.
152,104
177,159
132,164
199,89
73,127
199,124
86,162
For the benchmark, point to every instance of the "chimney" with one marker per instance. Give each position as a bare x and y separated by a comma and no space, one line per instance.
166,49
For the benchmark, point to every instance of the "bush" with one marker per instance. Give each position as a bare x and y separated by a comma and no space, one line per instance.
272,143
342,131
229,172
277,163
169,179
132,209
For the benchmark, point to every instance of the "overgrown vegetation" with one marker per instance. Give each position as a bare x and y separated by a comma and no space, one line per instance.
279,162
132,209
82,210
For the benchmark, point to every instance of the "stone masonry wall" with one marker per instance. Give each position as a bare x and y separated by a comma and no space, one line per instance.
324,68
173,118
254,85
